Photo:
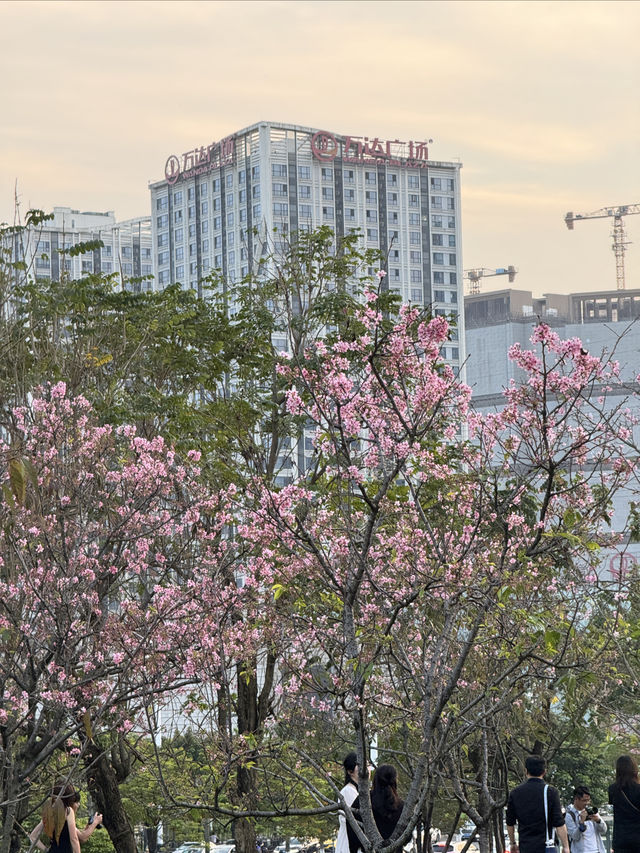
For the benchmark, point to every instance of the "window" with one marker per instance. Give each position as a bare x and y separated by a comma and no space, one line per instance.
242,197
192,231
255,173
191,193
371,197
242,177
416,276
437,239
372,216
193,267
416,295
392,179
394,255
394,236
413,182
231,238
163,258
436,221
348,176
180,253
414,200
393,218
349,195
453,278
438,258
452,259
448,184
178,235
414,238
415,257
370,178
162,203
205,246
392,198
161,221
228,201
205,208
280,189
230,220
257,211
451,222
126,251
327,193
229,181
177,197
243,215
372,235
217,242
255,191
451,204
279,170
163,277
127,269
304,173
436,183
305,211
327,212
304,191
395,274
438,278
232,259
43,263
204,189
414,219
350,214
436,202
163,240
192,211
280,208
217,261
452,239
327,174
106,251
217,222
205,226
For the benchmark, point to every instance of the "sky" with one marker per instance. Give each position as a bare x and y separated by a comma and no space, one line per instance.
538,100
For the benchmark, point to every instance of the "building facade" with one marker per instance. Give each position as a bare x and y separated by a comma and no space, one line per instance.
226,205
126,252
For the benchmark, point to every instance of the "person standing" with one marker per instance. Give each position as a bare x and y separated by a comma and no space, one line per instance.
624,796
59,822
348,793
526,807
585,827
386,805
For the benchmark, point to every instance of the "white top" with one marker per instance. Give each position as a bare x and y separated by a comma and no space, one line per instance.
349,793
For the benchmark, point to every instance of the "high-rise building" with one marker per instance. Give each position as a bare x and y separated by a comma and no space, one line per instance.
126,252
225,205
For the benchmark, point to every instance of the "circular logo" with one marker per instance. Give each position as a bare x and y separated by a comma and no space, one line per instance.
172,169
324,145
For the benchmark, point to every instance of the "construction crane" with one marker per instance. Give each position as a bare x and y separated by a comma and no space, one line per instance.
619,245
474,276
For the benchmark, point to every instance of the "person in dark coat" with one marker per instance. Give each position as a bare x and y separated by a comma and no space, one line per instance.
526,807
385,804
624,796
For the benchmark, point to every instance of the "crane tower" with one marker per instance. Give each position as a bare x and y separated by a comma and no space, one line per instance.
619,245
474,276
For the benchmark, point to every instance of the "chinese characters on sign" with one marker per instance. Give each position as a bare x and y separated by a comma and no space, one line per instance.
200,160
362,149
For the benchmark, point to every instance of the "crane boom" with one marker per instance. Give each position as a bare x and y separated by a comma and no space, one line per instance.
619,244
475,275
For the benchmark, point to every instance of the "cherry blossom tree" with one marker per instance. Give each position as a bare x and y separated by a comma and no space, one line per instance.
108,547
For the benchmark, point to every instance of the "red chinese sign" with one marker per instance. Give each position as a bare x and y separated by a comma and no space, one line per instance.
362,149
201,160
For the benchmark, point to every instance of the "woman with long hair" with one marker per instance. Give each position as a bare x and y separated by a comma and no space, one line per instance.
624,796
385,804
59,822
348,793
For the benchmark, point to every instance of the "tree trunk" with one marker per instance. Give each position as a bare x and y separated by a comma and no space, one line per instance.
105,793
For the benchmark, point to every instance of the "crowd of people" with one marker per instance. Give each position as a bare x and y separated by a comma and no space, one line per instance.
534,807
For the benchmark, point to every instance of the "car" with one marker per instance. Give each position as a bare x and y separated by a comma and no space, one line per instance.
455,847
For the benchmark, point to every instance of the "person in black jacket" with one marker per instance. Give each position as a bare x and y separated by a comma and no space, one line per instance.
624,796
526,806
385,804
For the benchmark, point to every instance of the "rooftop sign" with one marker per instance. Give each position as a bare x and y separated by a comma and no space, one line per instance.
201,160
363,149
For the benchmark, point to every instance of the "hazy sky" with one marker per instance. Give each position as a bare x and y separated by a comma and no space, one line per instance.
539,100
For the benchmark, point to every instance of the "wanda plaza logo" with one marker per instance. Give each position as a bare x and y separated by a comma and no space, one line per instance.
364,149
